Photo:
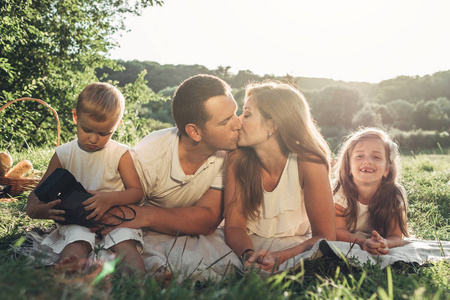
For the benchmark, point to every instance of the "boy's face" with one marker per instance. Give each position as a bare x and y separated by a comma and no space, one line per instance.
93,135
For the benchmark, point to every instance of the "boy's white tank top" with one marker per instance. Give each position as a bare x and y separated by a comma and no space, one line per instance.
99,170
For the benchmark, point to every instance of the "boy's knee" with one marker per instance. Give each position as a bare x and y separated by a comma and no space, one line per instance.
124,246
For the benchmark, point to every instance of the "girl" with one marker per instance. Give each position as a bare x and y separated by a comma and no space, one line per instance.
370,203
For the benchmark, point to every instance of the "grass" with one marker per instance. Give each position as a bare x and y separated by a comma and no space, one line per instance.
426,178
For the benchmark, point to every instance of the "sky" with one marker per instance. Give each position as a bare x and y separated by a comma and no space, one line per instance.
349,40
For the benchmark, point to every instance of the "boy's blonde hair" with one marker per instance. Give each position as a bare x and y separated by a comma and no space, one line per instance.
389,204
101,101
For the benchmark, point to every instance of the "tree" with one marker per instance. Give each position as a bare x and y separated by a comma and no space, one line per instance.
335,106
432,115
401,111
50,49
367,116
242,78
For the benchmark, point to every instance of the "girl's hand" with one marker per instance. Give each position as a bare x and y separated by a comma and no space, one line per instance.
99,205
376,244
383,249
263,259
42,210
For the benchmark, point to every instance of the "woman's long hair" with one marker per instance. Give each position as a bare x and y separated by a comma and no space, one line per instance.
296,132
389,203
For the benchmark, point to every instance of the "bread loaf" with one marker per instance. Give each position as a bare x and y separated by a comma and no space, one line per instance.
6,162
20,169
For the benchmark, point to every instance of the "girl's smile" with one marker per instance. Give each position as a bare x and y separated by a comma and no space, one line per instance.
368,162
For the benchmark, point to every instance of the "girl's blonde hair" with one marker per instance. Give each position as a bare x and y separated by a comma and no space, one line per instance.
389,204
296,132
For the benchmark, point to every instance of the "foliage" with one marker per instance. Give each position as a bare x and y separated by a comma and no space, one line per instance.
432,114
49,50
158,77
134,127
401,111
367,116
414,88
336,105
418,140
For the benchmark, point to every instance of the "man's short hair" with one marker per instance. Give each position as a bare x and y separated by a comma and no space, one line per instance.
189,98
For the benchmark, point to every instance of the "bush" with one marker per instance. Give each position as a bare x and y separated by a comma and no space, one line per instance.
418,140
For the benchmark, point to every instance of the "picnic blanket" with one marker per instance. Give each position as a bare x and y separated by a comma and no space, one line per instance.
413,251
209,258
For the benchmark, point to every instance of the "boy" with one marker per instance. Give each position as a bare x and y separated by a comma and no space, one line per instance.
106,170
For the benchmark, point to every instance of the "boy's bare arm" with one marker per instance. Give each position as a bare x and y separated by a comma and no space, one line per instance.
37,209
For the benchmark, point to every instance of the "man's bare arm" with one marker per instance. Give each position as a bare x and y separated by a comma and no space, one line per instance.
202,218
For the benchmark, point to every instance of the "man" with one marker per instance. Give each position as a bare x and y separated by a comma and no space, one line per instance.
181,170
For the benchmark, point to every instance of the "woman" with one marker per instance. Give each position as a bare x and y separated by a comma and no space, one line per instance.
278,199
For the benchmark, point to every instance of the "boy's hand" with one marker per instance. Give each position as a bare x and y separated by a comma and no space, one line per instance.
99,205
42,210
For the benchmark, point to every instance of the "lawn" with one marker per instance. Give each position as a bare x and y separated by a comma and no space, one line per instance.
426,178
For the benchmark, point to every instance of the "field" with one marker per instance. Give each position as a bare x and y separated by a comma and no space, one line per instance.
426,178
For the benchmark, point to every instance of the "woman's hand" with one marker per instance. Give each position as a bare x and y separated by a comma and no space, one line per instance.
376,244
263,259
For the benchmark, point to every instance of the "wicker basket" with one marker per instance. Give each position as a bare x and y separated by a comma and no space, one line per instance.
20,185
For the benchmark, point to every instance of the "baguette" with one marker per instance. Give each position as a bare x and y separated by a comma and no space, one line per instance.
6,162
20,169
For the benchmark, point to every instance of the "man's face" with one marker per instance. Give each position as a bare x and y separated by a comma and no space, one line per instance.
221,131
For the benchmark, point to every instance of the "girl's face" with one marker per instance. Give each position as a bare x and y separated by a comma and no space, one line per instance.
368,163
254,130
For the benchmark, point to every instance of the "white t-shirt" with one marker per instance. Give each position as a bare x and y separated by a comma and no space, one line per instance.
283,211
164,181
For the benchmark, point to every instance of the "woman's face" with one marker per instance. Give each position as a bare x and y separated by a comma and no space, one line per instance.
254,130
368,162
